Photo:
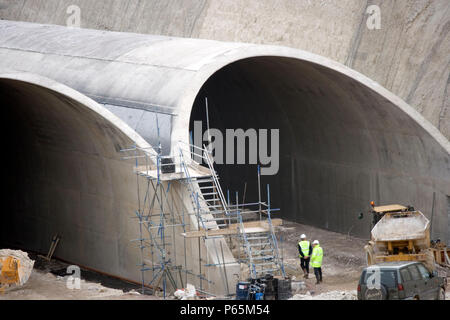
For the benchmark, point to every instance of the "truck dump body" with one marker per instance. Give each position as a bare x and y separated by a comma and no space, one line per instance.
401,234
402,226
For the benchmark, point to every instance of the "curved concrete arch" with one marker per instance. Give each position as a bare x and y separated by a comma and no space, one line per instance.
402,158
387,129
406,57
65,175
214,64
171,65
87,102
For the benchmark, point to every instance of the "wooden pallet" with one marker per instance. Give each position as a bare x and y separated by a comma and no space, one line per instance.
441,256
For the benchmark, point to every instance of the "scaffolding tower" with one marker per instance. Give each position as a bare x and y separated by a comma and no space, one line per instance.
161,220
159,217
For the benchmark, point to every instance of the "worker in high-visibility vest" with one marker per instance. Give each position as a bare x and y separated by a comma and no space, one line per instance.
304,251
316,260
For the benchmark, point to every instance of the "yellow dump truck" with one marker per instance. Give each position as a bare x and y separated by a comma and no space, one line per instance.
9,272
399,234
15,268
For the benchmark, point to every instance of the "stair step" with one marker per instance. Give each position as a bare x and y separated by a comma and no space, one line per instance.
210,194
259,244
264,264
257,238
205,180
259,251
263,258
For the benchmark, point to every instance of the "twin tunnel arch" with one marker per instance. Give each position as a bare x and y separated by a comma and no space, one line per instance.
63,174
344,140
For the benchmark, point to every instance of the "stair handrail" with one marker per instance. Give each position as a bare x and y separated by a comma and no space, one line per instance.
216,181
193,195
274,238
251,264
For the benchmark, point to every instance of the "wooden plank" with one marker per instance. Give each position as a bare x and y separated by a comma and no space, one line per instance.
249,227
153,173
203,233
390,208
252,224
440,256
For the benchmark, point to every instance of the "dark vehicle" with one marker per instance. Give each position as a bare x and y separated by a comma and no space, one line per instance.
403,280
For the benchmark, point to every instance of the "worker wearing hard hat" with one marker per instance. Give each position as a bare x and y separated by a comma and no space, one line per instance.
316,260
304,250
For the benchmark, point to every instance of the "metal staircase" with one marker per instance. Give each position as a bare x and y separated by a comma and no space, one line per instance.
206,196
260,249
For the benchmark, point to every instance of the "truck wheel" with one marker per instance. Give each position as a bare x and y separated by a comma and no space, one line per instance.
441,294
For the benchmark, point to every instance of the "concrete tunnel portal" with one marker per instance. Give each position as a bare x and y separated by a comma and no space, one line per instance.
342,144
64,174
344,140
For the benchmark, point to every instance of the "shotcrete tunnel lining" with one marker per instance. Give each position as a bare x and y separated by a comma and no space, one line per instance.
342,138
64,173
66,177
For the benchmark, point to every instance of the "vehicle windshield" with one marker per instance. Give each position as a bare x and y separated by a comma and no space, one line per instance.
386,277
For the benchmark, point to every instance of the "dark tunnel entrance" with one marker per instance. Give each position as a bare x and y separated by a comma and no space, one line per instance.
341,144
63,175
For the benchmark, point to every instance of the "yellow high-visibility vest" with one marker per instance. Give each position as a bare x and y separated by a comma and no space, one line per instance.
304,246
316,257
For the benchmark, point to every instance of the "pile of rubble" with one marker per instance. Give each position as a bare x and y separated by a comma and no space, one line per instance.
331,295
15,268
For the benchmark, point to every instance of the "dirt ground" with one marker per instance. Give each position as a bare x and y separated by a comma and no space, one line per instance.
48,281
343,262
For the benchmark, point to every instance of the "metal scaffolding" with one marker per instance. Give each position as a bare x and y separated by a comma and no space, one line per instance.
160,220
164,222
257,242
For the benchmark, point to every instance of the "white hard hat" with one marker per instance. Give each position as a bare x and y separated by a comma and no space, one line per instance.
303,236
316,242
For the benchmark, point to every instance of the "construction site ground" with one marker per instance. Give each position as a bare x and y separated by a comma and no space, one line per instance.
343,262
48,281
344,259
